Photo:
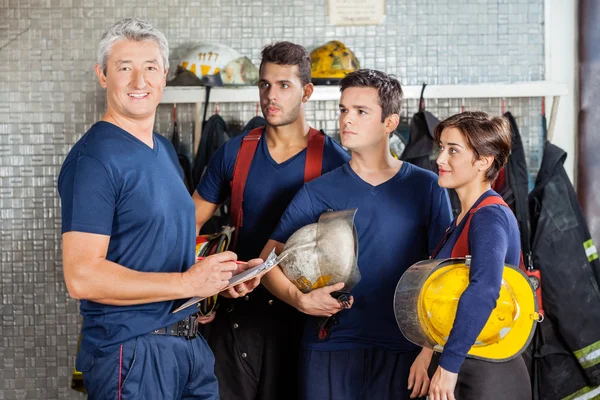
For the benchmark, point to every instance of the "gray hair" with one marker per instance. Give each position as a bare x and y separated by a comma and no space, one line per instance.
132,29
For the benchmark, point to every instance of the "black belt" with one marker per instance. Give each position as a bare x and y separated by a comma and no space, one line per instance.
187,328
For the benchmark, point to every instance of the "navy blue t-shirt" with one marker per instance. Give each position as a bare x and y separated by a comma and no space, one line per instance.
494,241
399,223
113,184
269,189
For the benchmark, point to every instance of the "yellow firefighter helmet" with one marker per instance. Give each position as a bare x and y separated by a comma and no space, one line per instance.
331,62
426,301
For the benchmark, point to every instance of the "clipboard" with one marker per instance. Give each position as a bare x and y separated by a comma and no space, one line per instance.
271,261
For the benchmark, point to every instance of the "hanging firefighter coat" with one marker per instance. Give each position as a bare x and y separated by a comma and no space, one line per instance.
564,253
514,186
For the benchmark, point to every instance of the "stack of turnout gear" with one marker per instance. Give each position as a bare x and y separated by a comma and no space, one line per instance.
331,62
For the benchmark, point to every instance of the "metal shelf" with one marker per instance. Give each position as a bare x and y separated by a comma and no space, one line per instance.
249,94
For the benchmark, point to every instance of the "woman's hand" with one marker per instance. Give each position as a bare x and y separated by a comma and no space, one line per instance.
442,385
418,379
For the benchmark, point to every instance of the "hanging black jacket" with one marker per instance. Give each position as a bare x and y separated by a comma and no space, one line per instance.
568,261
213,136
185,158
515,186
422,150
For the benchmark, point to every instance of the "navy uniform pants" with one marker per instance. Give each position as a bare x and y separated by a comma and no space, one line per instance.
151,367
362,374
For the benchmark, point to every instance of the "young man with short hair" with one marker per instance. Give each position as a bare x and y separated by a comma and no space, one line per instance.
256,337
402,215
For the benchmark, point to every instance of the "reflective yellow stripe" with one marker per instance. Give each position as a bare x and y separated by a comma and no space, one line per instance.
589,356
590,250
587,393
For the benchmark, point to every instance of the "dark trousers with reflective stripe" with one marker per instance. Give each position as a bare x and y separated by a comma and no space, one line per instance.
490,381
256,343
151,367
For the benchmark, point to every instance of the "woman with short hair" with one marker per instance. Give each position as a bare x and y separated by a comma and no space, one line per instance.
474,147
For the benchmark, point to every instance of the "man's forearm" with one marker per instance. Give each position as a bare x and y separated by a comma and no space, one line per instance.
281,287
106,282
276,282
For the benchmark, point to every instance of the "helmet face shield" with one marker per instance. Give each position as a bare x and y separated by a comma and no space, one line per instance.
324,253
239,71
426,301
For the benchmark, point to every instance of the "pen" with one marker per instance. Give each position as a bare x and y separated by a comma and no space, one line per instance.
237,262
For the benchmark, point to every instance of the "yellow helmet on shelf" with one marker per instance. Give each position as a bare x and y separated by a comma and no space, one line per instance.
426,301
331,62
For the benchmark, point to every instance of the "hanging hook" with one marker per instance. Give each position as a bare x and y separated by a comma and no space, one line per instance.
543,106
422,99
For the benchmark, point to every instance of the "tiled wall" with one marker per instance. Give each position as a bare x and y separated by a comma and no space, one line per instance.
49,97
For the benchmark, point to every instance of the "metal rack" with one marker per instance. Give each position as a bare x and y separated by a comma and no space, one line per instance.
249,94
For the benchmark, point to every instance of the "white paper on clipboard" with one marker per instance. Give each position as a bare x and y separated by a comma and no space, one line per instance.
271,261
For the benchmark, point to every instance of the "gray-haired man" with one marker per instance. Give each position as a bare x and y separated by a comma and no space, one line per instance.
129,231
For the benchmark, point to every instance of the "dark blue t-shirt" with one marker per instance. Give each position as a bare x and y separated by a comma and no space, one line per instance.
494,241
269,189
113,184
399,223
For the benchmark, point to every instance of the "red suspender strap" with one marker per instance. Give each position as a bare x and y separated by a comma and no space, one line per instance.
312,170
461,247
314,155
240,175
